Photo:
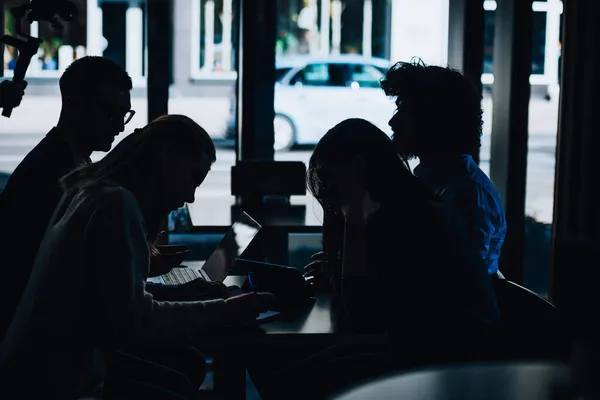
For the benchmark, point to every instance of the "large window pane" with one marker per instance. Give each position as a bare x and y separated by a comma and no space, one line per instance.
213,33
330,56
204,79
539,42
40,108
543,124
58,49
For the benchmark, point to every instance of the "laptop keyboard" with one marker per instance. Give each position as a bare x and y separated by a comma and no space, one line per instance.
179,276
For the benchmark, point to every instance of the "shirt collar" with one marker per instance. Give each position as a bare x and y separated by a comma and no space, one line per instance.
442,163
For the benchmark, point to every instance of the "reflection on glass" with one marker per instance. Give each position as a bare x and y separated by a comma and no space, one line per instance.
540,30
330,57
543,123
232,245
204,77
58,49
81,36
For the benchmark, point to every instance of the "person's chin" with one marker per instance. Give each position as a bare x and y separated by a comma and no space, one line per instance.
191,198
175,208
107,145
175,205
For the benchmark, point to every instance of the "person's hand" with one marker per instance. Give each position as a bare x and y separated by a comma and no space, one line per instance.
205,290
163,263
167,257
316,271
315,267
246,307
11,93
171,249
162,239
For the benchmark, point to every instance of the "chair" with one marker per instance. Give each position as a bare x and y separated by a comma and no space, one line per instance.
531,323
469,381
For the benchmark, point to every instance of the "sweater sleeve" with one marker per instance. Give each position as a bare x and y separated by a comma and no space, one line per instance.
120,258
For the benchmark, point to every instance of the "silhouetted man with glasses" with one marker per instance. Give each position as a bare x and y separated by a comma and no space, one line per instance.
96,106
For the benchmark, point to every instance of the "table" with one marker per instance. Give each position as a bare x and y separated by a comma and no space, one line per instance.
315,325
230,350
497,381
216,215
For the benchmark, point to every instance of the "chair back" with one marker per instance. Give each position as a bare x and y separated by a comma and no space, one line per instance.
531,323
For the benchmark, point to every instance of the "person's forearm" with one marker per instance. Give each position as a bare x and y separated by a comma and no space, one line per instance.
198,290
162,292
167,321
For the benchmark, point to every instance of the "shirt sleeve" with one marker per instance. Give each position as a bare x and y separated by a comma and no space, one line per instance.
26,207
25,212
458,273
472,204
165,292
119,256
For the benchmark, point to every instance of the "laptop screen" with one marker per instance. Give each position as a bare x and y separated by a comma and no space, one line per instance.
233,244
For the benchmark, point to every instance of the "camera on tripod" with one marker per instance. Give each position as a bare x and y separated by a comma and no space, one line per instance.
35,10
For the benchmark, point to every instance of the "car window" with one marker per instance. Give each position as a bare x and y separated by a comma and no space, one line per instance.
365,75
382,70
321,75
280,73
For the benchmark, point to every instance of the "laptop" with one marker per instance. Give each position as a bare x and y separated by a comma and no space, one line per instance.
223,258
220,262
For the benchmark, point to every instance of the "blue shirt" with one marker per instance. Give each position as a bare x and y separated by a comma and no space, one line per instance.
461,183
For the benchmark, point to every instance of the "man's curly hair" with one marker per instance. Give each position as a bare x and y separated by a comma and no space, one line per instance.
443,103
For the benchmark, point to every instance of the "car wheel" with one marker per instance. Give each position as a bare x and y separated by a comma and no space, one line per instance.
285,133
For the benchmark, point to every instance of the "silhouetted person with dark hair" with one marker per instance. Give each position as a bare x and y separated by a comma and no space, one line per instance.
400,265
86,295
439,120
95,108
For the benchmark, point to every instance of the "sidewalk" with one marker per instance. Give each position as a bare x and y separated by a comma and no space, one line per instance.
543,116
37,114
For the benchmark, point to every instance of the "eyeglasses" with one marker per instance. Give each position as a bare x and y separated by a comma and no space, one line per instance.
128,116
114,113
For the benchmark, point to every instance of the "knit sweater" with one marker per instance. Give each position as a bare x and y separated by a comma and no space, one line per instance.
87,294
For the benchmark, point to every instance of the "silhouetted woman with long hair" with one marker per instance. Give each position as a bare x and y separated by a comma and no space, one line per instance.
399,264
87,291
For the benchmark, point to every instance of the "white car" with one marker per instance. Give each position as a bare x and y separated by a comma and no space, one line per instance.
312,94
